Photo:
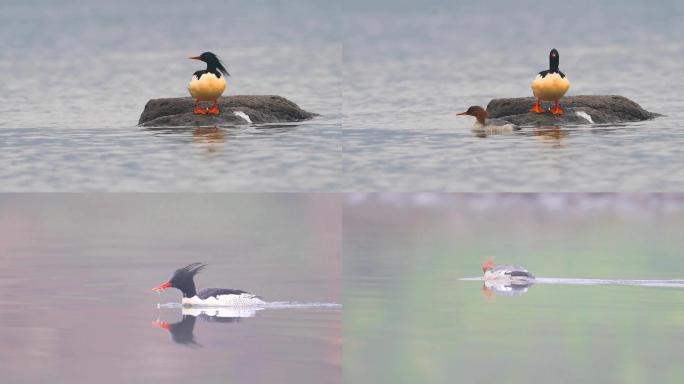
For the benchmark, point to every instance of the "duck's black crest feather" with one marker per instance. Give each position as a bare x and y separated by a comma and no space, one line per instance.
191,269
221,68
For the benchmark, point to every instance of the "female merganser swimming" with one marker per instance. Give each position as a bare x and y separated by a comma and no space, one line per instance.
483,122
550,85
514,274
208,85
183,279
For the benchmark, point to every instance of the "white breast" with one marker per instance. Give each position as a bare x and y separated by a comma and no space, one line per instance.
208,87
550,87
241,300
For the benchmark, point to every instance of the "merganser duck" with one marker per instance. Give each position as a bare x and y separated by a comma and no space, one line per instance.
208,85
183,279
483,122
550,85
513,274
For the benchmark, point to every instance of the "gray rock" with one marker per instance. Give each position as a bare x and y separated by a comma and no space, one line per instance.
174,112
602,109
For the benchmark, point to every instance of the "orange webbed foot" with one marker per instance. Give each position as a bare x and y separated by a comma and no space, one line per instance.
537,109
214,110
557,110
200,111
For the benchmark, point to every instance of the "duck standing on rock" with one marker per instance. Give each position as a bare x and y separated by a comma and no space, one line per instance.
484,123
209,84
550,85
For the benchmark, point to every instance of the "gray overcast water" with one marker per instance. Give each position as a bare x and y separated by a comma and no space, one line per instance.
80,73
410,66
76,274
405,257
387,78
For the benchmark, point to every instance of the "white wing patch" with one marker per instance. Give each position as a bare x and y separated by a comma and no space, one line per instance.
243,115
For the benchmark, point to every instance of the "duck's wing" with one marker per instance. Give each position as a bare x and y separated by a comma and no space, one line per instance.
215,292
199,74
512,270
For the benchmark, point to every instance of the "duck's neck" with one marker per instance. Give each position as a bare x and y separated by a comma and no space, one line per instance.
481,117
553,64
188,289
211,68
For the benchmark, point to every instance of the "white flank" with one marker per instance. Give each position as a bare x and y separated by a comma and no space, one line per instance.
241,300
493,129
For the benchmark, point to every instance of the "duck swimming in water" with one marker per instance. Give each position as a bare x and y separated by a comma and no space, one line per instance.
209,84
484,123
513,274
550,85
184,280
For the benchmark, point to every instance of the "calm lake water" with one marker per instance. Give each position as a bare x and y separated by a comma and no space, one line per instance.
409,318
76,274
410,66
80,73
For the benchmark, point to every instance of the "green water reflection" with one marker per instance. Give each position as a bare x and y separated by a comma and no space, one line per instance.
409,319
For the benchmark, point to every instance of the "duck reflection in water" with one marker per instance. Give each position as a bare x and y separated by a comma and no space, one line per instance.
505,288
182,332
208,135
212,137
553,135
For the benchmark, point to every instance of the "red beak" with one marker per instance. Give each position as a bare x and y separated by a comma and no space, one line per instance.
195,58
462,113
163,286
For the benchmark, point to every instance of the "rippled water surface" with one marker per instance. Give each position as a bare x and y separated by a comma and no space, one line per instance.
410,66
76,273
80,72
606,309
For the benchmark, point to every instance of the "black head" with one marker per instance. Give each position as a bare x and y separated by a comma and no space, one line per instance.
554,60
183,279
214,64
